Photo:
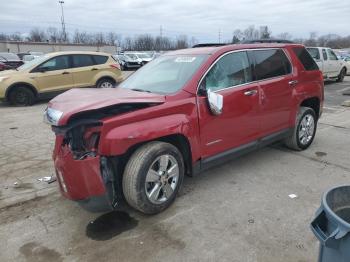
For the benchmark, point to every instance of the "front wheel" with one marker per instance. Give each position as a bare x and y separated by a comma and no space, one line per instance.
21,96
304,130
153,177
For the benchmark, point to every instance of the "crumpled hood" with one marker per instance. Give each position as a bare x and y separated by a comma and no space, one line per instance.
82,100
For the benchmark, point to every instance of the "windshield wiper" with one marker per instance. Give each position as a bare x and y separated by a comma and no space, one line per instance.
140,90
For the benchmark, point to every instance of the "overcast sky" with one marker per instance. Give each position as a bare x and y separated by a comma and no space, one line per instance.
199,18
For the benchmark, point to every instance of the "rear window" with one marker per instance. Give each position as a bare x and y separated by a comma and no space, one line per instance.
271,63
99,59
305,58
82,60
314,52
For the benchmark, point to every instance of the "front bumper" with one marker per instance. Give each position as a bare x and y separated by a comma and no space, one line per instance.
84,181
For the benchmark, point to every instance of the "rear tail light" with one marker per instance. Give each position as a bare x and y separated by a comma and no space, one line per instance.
117,66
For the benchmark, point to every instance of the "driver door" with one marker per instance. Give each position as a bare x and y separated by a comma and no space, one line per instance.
238,124
53,75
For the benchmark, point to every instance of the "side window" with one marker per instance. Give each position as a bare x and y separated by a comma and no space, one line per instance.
271,63
56,63
324,53
231,70
331,55
305,58
82,60
314,52
99,59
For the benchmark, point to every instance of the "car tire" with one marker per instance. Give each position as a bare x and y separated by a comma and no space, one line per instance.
342,74
153,177
304,131
105,83
21,96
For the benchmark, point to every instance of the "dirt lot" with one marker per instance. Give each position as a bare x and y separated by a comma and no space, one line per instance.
239,211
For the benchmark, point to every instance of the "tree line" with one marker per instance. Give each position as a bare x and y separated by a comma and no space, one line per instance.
150,42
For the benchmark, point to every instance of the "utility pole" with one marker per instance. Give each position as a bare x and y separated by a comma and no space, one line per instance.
64,34
161,31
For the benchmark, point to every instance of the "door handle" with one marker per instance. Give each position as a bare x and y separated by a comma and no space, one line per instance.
293,83
94,69
250,92
65,73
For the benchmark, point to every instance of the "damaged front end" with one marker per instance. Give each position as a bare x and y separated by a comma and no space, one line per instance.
94,181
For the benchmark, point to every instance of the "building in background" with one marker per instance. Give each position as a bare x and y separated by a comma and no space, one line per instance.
22,47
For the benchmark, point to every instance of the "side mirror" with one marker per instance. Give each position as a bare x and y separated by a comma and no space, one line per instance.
215,102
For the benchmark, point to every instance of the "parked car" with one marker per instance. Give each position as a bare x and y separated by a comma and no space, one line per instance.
48,75
182,113
27,58
4,67
347,64
145,58
126,62
21,55
331,67
11,60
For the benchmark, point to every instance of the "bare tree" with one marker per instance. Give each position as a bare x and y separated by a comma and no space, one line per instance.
265,32
284,36
251,33
53,35
37,35
181,42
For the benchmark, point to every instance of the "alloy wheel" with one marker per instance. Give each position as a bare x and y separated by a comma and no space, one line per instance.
306,129
162,179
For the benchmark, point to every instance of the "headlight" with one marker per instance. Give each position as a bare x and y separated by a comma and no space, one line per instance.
2,78
52,116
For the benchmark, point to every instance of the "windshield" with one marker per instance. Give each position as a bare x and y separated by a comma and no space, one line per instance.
8,56
314,53
165,75
132,56
143,56
33,62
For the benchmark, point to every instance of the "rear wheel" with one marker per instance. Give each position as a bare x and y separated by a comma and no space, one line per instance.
153,176
341,75
105,83
21,96
304,130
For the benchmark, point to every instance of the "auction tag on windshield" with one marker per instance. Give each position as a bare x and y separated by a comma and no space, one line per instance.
185,59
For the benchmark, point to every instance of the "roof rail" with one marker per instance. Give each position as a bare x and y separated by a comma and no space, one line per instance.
208,45
258,41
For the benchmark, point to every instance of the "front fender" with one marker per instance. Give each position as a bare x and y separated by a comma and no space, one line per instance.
118,140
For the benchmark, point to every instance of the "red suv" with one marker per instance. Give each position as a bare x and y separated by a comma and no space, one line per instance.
180,114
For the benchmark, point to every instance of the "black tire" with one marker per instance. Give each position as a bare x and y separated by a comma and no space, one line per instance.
21,96
134,178
294,141
341,75
105,83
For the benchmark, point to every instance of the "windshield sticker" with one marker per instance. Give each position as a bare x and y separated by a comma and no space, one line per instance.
185,59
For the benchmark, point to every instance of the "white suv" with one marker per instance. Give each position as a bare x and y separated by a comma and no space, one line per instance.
331,67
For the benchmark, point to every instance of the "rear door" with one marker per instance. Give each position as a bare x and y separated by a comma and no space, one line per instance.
53,75
273,71
84,70
238,124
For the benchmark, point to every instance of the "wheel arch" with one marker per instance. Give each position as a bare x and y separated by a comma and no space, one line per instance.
105,77
314,103
180,141
20,84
